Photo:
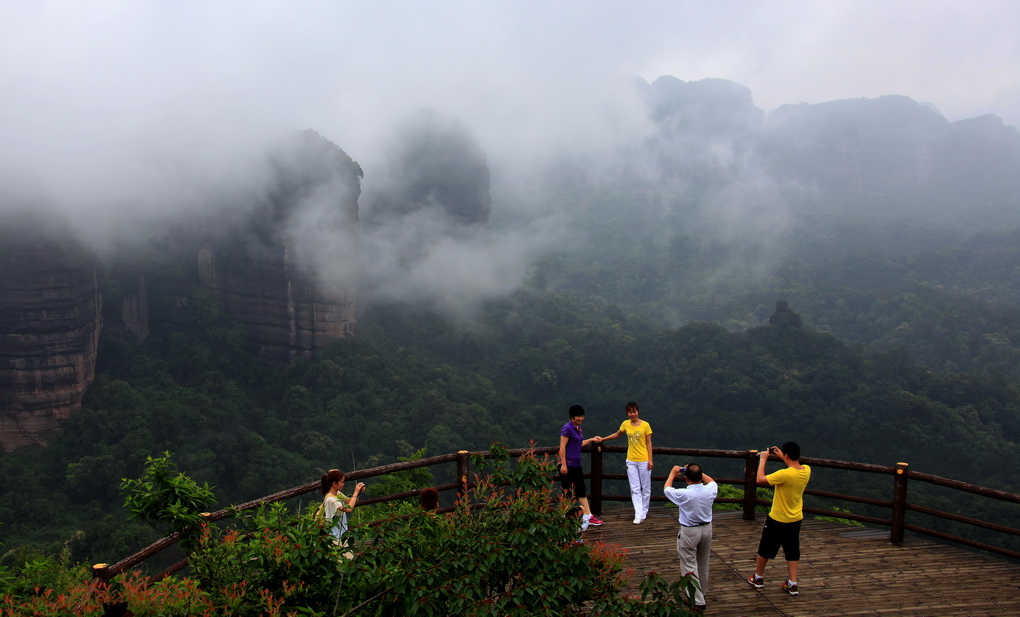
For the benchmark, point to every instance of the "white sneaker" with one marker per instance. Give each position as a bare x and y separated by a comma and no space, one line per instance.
637,521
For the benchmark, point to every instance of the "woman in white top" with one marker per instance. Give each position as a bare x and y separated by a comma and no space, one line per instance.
336,502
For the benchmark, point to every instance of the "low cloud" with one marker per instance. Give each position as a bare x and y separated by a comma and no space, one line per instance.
129,118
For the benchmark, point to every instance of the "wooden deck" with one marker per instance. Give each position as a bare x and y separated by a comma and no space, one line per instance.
843,570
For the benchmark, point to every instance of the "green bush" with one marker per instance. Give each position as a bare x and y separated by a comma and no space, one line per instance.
508,548
166,499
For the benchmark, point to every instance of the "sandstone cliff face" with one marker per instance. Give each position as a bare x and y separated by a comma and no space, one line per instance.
285,268
290,275
50,320
284,312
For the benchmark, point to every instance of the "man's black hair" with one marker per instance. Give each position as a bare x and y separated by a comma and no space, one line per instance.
576,410
792,450
693,472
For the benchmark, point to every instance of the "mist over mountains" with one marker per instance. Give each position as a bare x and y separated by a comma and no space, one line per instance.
445,222
843,271
295,239
696,157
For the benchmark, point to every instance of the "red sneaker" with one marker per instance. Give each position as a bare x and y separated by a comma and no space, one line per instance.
594,520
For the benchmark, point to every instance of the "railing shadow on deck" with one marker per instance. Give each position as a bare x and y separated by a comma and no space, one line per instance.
898,503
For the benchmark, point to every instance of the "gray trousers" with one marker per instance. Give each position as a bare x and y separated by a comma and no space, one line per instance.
694,546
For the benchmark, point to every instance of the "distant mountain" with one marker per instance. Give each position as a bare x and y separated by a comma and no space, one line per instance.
717,189
894,146
890,154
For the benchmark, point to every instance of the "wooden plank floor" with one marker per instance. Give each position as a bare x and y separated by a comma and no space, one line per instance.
843,570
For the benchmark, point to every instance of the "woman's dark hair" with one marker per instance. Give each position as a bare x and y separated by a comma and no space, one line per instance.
332,476
429,499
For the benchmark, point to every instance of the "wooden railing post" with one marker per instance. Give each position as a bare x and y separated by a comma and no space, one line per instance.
101,571
750,484
899,502
463,471
596,478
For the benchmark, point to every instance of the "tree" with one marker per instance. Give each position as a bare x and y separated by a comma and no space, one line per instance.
166,499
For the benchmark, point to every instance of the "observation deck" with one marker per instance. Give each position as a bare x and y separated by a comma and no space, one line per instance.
844,570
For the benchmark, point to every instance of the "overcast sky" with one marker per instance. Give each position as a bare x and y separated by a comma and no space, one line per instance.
143,106
85,83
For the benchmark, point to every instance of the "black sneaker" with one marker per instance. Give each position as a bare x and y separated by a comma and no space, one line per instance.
756,581
790,588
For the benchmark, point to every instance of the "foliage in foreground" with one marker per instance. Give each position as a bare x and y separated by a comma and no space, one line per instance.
166,498
508,548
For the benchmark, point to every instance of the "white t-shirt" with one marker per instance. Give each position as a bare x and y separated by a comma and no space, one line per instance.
695,502
330,507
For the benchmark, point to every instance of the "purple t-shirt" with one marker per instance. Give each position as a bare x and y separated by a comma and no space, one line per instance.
574,439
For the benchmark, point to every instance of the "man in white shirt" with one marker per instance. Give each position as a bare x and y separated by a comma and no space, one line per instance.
694,542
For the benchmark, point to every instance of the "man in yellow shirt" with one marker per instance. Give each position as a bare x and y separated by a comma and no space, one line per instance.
782,527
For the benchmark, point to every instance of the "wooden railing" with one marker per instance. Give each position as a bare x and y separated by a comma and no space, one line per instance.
898,504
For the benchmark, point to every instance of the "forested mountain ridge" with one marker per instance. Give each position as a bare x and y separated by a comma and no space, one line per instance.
249,430
718,195
895,340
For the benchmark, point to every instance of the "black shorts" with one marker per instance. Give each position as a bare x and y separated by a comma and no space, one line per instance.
776,534
573,482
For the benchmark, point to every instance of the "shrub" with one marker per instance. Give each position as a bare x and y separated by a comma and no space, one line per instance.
508,548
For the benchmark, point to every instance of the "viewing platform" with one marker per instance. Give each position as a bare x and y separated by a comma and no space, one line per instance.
844,570
909,562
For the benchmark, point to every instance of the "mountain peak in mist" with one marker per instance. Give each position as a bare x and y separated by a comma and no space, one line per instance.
706,106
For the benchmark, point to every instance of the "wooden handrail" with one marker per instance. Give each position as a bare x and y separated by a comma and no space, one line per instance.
899,504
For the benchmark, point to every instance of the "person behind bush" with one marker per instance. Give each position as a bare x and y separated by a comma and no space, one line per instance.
571,475
639,460
429,499
335,502
782,527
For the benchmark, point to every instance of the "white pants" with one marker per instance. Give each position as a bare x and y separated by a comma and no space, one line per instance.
694,546
640,478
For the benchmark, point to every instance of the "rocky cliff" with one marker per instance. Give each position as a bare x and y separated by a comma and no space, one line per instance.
285,267
50,321
288,271
285,313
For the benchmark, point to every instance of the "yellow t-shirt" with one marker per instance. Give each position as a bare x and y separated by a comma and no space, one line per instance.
637,450
788,502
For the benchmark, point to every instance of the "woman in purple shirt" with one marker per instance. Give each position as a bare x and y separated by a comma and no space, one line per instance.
571,475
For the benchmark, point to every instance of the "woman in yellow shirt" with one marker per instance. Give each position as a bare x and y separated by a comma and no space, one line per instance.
639,459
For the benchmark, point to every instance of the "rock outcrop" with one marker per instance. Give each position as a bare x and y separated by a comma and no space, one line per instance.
285,268
50,321
289,276
285,313
436,163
